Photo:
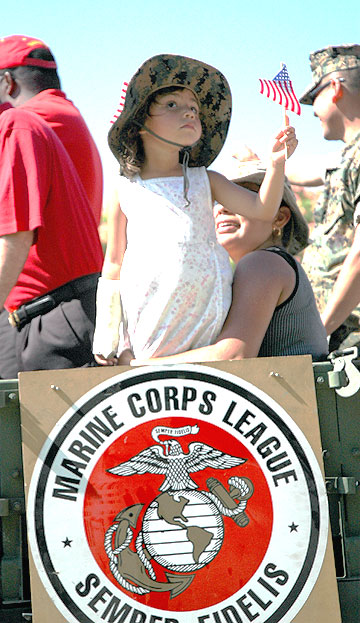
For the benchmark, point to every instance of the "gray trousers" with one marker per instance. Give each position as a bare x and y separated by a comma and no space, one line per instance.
61,338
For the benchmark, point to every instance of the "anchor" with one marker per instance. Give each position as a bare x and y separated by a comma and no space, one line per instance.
126,565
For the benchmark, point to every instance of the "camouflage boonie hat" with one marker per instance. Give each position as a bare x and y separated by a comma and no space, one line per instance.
207,83
327,60
254,171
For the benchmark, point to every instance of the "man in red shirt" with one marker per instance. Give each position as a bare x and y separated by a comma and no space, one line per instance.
32,82
50,252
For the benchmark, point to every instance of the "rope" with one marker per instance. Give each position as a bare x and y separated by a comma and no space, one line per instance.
184,166
240,484
140,552
113,558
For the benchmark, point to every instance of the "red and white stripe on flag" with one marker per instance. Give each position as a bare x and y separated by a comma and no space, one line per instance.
280,90
121,103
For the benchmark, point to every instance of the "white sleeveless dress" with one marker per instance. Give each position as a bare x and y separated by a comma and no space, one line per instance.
175,280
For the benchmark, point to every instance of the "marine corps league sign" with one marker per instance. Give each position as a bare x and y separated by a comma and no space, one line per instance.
177,495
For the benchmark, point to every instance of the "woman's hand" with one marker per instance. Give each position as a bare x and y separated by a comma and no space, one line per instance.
106,361
125,358
122,360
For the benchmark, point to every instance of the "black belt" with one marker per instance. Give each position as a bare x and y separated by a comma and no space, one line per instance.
42,304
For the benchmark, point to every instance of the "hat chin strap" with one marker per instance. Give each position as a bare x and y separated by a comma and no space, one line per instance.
185,159
144,127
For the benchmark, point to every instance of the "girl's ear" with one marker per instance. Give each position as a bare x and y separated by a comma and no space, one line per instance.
283,216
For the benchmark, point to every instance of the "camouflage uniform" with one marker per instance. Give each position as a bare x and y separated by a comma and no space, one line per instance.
338,210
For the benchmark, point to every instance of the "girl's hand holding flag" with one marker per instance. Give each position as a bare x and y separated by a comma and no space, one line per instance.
284,145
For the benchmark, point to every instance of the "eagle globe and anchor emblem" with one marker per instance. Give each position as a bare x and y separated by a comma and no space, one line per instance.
182,528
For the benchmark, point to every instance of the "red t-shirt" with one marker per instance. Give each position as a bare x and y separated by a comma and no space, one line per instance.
4,107
40,190
67,122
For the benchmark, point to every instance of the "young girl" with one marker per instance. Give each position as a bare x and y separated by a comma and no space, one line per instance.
162,254
273,310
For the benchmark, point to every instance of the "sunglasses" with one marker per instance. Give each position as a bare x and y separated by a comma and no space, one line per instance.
315,92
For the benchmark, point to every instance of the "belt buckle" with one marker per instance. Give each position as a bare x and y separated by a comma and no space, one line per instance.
14,319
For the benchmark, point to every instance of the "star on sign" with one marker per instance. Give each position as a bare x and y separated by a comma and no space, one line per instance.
293,527
67,542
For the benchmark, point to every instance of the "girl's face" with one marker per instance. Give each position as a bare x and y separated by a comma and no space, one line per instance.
175,117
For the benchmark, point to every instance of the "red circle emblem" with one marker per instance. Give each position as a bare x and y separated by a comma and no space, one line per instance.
131,502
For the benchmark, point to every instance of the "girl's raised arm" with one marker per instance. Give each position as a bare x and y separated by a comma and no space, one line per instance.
264,204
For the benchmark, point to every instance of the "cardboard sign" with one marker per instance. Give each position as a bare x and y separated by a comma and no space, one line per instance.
177,494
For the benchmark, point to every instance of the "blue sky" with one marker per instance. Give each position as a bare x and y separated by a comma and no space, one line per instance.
99,44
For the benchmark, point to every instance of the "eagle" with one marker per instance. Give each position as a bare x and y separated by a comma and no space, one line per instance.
175,464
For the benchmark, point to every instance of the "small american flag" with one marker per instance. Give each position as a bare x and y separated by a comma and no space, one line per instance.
280,90
121,103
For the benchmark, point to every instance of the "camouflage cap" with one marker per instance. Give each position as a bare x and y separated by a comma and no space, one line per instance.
254,171
327,60
207,83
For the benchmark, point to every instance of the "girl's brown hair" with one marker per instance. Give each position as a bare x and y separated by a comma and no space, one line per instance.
132,155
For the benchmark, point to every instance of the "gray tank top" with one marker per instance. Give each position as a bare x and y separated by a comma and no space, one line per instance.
296,327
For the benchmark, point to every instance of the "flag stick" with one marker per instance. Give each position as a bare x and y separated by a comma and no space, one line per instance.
286,118
286,122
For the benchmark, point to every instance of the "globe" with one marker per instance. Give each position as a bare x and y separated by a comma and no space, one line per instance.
183,530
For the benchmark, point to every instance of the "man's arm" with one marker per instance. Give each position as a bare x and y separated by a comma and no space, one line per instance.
311,169
108,305
116,242
306,173
14,249
346,292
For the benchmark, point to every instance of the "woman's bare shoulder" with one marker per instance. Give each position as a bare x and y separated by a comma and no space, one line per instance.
263,263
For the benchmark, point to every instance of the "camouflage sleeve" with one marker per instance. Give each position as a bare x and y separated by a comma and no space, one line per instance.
354,174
